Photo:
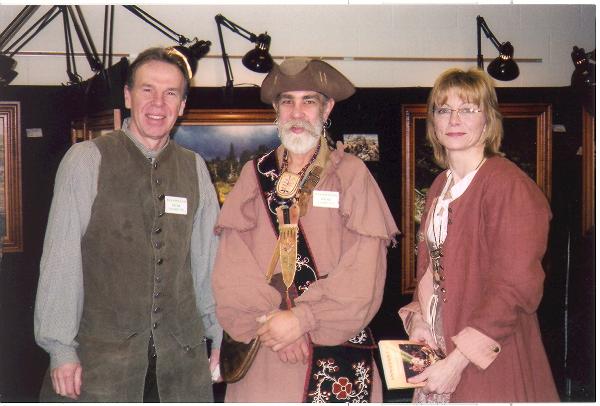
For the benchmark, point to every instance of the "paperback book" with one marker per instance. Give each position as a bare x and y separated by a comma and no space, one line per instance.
403,359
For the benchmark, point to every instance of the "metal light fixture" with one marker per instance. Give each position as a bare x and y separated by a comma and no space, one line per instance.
583,79
584,75
7,72
192,50
503,67
70,14
257,60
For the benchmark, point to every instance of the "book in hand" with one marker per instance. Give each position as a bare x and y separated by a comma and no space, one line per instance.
403,359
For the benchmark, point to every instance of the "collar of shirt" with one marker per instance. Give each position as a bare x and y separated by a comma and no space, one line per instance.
148,153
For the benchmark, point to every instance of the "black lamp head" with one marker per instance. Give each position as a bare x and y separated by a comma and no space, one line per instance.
584,75
258,59
504,67
7,72
192,54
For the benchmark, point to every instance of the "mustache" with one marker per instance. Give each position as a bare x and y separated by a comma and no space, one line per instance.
297,123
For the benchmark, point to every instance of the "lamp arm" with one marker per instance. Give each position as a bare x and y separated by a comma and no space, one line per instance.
488,33
147,18
69,54
482,25
228,74
38,26
16,24
241,31
85,39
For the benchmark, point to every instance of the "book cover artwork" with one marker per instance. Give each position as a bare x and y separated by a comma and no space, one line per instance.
403,359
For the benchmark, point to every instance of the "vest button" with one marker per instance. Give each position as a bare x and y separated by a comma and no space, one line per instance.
157,181
187,348
155,165
157,278
157,294
158,244
157,309
155,325
161,213
159,261
161,197
158,230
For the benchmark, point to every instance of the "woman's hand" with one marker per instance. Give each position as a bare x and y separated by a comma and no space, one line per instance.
444,375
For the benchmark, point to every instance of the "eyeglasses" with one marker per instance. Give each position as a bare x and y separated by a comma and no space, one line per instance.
464,112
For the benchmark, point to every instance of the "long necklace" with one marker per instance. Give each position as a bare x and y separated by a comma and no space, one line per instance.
436,251
288,183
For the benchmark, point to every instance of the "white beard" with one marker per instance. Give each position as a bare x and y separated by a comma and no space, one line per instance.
299,143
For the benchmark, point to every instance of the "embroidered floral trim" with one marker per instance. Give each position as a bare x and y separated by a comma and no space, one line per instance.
342,388
271,174
360,338
304,262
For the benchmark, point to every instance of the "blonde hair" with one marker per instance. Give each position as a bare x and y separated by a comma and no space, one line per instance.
473,86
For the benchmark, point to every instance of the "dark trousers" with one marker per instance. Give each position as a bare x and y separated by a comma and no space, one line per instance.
150,386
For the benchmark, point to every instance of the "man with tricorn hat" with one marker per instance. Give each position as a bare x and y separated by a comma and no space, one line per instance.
301,263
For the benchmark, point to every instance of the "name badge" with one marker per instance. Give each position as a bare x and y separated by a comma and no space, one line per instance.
175,205
324,198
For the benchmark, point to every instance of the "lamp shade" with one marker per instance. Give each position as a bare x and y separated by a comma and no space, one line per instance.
584,75
7,72
258,59
504,67
194,53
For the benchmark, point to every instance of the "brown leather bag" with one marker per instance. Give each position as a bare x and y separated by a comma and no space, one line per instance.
236,357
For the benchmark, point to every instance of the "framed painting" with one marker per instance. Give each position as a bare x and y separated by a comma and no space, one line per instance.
226,139
11,217
588,215
527,142
95,125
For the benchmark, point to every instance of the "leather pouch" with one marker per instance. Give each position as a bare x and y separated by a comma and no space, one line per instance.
236,357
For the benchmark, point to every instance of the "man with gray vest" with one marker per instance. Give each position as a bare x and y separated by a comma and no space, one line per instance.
124,303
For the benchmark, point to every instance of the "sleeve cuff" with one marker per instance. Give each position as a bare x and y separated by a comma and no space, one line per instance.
407,312
62,354
213,329
480,349
306,317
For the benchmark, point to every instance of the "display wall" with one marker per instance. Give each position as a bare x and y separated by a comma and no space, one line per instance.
369,111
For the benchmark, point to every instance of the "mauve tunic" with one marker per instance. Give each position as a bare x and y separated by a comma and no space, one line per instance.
497,236
349,245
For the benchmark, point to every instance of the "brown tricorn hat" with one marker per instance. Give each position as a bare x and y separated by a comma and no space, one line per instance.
305,74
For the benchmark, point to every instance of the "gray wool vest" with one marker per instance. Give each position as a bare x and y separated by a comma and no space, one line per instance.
137,279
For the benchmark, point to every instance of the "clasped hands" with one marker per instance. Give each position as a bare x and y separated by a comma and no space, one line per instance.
281,332
444,375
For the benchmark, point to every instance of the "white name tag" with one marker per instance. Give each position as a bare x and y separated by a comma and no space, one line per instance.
175,205
324,198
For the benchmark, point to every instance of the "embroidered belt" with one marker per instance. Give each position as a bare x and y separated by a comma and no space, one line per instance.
337,374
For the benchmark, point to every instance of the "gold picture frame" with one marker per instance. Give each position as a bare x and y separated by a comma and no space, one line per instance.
10,176
95,125
226,139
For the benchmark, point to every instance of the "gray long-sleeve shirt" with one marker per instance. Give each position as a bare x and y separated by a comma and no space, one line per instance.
60,294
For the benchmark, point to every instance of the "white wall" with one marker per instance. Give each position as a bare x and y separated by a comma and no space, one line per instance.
547,32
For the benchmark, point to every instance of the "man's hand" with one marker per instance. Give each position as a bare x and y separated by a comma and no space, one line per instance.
295,352
66,380
444,375
213,363
281,329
